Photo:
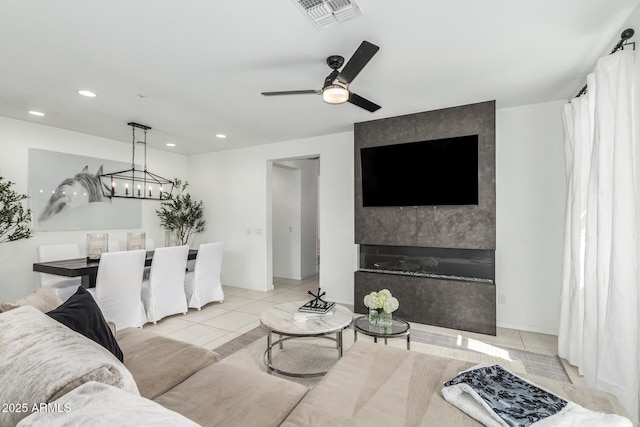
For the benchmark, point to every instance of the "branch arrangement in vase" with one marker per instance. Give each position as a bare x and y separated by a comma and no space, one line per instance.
180,213
14,218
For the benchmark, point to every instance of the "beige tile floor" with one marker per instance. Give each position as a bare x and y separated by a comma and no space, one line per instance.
217,323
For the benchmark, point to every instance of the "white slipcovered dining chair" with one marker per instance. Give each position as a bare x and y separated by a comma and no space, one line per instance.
118,288
202,285
64,287
163,294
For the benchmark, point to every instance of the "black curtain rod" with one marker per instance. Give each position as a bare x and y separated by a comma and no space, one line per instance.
626,35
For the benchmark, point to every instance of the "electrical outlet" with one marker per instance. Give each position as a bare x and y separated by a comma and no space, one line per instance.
502,299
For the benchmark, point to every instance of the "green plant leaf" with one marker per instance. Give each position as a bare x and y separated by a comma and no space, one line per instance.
179,212
14,218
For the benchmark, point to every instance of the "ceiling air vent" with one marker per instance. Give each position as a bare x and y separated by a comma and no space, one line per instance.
324,13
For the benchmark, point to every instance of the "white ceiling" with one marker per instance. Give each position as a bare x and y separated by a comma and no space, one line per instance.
191,69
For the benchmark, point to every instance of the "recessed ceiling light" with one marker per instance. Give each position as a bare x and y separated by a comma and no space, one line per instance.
87,93
170,144
221,136
36,113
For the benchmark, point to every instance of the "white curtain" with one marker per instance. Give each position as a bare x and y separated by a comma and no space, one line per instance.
599,323
579,121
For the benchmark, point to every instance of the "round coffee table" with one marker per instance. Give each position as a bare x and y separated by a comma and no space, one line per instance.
286,321
399,327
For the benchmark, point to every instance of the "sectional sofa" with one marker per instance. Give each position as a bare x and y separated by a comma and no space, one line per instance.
52,375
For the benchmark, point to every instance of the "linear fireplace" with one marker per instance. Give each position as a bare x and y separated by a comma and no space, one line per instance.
448,287
475,265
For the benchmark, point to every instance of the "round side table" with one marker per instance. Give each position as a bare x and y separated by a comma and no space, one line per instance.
399,328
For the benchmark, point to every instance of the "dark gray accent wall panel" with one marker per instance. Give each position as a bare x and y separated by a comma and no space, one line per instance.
470,227
467,306
387,226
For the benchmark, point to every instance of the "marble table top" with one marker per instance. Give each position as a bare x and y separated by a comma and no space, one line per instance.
286,318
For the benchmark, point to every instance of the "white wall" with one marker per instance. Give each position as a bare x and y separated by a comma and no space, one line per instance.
530,186
16,137
235,188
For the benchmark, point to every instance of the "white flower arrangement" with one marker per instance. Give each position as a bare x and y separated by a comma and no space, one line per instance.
381,301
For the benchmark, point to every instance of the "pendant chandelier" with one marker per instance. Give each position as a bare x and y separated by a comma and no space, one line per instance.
135,183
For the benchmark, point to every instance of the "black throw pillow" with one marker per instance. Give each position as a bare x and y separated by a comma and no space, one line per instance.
81,313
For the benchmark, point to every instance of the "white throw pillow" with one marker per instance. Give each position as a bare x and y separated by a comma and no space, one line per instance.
44,299
43,360
94,404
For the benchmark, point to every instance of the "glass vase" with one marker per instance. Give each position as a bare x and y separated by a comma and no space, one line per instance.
136,240
171,238
380,319
97,243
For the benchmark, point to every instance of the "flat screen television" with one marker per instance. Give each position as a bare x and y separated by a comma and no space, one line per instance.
426,173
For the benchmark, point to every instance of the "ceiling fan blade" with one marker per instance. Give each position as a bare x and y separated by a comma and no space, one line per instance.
292,92
363,103
360,58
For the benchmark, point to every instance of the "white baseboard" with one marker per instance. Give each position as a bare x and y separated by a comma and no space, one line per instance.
528,328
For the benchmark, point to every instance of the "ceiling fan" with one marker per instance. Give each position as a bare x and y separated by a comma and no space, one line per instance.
336,85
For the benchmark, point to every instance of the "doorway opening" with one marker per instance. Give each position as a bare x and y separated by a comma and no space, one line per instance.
295,225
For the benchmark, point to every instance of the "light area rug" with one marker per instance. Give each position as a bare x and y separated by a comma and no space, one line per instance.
304,355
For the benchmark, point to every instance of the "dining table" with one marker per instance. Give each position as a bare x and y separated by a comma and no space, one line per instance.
85,268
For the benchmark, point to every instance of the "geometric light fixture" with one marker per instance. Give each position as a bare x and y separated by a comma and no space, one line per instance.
135,183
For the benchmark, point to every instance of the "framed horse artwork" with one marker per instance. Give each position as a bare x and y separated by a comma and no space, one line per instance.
66,194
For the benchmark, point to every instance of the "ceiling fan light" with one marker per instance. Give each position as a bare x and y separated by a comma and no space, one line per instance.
335,94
